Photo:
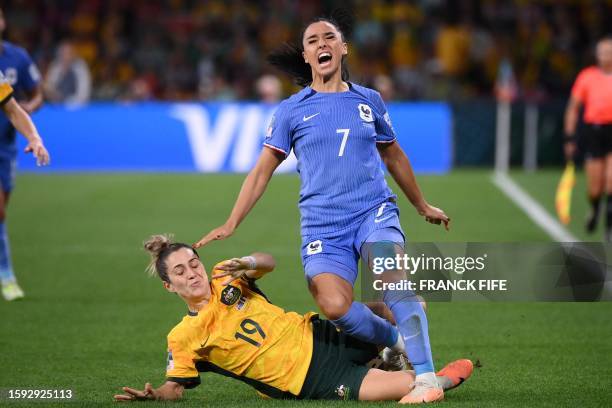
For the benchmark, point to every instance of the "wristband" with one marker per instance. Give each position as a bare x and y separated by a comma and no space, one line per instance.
569,139
251,262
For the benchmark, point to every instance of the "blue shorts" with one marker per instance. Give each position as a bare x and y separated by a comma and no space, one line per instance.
339,252
7,174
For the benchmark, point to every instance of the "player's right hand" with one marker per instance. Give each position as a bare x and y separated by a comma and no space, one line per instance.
218,233
39,151
135,395
234,268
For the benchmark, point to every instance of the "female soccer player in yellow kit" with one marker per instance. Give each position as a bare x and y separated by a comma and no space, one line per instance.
233,330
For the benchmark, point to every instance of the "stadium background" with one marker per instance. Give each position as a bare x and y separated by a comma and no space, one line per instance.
93,322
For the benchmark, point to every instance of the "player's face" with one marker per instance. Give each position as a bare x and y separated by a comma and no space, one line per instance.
323,48
187,275
604,53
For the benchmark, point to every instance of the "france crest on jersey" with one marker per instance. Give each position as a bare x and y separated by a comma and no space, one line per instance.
20,72
334,137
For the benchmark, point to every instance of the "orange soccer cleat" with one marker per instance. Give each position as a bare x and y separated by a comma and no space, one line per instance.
455,373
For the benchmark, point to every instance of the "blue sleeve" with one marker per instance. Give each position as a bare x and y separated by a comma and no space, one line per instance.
382,122
278,135
29,76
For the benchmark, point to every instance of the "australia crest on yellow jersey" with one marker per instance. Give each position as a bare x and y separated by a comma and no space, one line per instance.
230,295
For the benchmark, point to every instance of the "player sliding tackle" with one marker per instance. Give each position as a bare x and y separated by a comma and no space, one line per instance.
233,330
341,134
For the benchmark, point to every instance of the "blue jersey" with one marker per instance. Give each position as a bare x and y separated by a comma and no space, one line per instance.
334,137
21,73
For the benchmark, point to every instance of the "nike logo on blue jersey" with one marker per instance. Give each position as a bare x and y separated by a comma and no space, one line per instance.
305,118
377,220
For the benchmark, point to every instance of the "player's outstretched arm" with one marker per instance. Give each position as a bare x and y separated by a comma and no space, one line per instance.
253,266
22,122
252,189
169,391
401,170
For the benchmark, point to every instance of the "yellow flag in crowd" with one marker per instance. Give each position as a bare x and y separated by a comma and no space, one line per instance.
563,198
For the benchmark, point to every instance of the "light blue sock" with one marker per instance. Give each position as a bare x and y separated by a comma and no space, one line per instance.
405,306
362,323
412,324
6,270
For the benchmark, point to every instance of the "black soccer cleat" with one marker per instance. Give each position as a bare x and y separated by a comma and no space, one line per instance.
591,222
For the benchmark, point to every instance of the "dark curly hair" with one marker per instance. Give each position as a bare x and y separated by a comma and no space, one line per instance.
288,57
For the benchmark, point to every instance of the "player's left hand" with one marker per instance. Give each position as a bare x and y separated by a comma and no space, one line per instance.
135,395
39,151
235,268
434,215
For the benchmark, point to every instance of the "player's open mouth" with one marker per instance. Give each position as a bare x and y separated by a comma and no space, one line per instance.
325,59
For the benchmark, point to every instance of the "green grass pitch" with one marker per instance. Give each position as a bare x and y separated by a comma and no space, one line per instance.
93,322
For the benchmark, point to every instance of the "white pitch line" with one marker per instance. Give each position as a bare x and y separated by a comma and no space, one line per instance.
532,208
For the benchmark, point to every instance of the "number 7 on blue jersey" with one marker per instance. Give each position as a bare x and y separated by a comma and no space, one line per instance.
344,138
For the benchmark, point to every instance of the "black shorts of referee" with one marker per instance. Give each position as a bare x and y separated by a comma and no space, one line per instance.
596,140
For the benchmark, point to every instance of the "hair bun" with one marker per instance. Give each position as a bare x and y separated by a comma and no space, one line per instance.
154,246
157,243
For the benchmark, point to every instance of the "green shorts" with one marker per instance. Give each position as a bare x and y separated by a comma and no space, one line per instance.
337,368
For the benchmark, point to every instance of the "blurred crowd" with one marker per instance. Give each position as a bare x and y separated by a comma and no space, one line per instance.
215,50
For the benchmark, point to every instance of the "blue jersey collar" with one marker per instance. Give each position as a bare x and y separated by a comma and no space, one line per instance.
307,92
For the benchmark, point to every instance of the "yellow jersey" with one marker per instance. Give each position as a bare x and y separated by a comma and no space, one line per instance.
240,334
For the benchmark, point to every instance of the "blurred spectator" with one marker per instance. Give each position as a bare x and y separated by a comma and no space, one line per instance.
139,90
216,49
68,79
269,89
221,90
452,49
384,85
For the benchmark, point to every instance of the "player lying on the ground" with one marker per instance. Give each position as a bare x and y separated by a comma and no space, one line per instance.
233,330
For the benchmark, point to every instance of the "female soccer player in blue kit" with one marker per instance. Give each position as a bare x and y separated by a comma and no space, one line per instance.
19,79
339,132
